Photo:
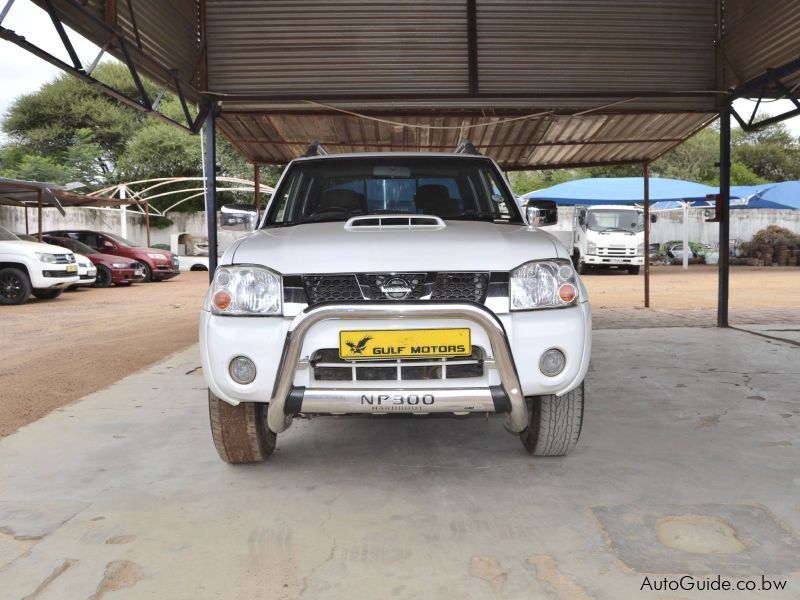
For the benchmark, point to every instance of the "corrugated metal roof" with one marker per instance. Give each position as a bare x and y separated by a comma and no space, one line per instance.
549,141
606,80
760,35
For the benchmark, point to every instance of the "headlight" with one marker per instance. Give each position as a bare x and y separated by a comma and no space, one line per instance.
157,255
543,284
640,249
120,265
47,258
591,248
245,290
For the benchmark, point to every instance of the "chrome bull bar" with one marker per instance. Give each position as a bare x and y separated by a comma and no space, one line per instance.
516,417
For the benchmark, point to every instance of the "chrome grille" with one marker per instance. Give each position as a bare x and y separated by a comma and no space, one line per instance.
616,251
64,259
327,366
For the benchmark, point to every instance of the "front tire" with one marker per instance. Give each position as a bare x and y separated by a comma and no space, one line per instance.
633,270
103,279
48,294
15,287
554,423
240,433
148,273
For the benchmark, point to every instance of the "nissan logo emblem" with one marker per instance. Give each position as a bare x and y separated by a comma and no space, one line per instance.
396,289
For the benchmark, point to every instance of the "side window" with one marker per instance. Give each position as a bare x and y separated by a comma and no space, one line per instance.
89,239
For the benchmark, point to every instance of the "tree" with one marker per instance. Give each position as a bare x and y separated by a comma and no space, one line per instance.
69,131
772,153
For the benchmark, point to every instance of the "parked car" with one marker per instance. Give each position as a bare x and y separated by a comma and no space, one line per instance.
394,284
86,269
157,265
118,270
32,268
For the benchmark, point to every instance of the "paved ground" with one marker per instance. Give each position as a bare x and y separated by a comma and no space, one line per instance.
55,351
688,464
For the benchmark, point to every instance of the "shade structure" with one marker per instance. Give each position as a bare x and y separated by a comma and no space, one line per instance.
784,195
532,83
621,190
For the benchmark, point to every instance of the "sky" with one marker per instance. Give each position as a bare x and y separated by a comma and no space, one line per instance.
23,73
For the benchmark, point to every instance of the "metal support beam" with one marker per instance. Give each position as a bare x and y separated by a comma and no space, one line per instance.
646,176
257,185
39,216
147,221
20,41
6,8
62,33
724,222
211,190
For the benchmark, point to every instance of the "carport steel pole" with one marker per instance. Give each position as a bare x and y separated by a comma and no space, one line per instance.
724,220
211,191
646,235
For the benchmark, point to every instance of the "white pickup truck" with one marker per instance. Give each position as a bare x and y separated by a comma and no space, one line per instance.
32,268
394,284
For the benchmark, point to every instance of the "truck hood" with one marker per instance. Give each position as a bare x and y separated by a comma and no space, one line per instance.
27,246
615,238
330,248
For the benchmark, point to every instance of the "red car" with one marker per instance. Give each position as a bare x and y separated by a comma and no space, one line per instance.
110,269
157,265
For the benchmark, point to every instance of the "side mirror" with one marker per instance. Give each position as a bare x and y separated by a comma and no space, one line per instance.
238,217
109,245
541,212
653,217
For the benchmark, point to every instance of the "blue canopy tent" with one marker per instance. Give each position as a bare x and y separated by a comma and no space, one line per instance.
621,190
784,195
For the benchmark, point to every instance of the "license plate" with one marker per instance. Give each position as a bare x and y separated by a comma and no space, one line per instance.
72,268
138,273
405,343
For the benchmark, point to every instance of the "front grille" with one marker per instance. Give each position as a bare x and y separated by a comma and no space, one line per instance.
332,288
454,286
327,366
64,259
461,286
616,251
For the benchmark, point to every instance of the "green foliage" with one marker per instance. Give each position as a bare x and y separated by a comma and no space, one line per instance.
68,131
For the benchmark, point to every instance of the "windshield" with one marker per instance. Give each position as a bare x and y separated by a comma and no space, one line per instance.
6,235
120,240
73,245
334,189
631,221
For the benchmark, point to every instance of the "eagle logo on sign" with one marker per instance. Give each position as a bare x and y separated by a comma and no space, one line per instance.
358,348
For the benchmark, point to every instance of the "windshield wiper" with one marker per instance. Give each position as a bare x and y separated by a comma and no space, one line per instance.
616,229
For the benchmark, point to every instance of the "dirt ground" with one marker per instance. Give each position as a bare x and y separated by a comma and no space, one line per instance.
673,288
55,352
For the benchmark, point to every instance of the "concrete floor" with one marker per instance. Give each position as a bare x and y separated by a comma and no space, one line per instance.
689,463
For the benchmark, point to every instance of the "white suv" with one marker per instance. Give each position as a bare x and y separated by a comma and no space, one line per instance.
32,268
394,284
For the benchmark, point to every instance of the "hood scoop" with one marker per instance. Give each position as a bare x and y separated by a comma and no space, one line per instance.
394,222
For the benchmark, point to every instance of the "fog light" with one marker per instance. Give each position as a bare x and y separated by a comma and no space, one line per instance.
242,370
552,362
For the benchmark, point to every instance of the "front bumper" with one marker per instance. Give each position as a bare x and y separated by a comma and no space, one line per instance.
281,349
126,275
594,259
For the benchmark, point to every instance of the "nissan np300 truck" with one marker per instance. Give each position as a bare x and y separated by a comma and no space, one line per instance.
394,284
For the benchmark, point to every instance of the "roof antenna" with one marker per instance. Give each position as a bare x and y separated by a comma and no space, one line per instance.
467,147
315,149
